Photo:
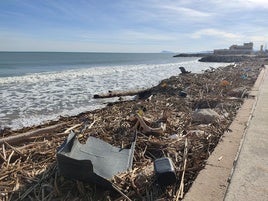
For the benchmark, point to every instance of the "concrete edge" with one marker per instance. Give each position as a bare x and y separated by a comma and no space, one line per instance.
257,86
213,181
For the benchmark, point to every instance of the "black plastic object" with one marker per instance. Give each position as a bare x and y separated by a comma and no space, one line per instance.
182,94
95,162
183,71
164,170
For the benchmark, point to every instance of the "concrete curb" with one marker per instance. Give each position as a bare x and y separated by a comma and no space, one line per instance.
250,176
254,92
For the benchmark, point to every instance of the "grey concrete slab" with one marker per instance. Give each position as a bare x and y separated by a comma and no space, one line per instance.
250,177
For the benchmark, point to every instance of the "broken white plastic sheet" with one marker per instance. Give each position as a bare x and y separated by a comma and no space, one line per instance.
95,161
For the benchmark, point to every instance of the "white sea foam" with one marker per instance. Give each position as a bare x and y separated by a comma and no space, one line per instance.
32,99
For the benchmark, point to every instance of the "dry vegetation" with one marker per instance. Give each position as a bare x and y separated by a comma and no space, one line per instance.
28,164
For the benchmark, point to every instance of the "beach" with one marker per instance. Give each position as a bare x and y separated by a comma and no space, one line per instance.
29,168
133,100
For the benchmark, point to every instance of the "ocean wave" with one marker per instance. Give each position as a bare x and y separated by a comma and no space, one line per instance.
32,99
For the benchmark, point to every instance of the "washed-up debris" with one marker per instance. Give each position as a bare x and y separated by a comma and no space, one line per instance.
224,83
205,116
183,71
163,124
164,171
239,92
95,161
182,94
15,139
111,94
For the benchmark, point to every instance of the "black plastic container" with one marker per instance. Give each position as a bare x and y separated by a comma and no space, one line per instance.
164,171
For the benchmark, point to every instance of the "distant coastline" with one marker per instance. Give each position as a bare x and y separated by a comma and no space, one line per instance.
193,54
235,53
209,57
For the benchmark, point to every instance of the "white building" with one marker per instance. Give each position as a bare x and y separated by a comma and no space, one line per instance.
246,48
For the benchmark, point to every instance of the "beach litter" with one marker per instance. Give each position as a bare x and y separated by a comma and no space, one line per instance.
95,161
156,132
183,70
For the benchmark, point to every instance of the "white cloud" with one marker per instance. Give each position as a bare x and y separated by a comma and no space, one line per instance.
253,3
128,36
258,38
125,41
138,35
187,12
215,33
223,39
239,4
143,25
166,13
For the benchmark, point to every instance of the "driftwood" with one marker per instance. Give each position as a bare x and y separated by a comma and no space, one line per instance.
111,94
71,128
23,136
148,129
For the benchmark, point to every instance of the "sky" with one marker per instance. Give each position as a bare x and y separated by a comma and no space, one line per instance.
131,25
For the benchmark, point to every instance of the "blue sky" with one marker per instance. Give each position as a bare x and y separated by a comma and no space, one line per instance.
131,25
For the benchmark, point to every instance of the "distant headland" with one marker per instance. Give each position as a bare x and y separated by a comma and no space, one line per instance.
235,53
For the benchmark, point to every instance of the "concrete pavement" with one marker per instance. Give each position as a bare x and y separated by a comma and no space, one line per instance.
249,180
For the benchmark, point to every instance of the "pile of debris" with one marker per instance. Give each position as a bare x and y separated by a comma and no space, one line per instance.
167,133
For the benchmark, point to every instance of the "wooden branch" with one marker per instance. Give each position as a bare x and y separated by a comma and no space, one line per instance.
91,125
148,129
21,137
119,191
13,148
73,127
180,192
111,94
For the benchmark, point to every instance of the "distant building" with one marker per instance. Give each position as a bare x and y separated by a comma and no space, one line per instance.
261,48
246,48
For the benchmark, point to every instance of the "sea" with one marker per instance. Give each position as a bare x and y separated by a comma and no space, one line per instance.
36,87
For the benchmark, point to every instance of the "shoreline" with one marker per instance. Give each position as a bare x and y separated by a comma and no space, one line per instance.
39,98
227,58
116,119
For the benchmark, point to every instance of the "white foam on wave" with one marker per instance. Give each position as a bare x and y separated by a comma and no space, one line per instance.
32,99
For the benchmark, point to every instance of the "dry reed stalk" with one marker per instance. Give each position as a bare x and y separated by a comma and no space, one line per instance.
120,191
23,136
181,188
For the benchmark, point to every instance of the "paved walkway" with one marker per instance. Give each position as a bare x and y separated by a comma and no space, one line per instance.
250,177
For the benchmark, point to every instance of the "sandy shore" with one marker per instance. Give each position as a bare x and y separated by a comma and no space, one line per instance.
28,165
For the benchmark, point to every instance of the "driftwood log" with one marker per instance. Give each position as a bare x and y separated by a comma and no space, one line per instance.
23,136
110,94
